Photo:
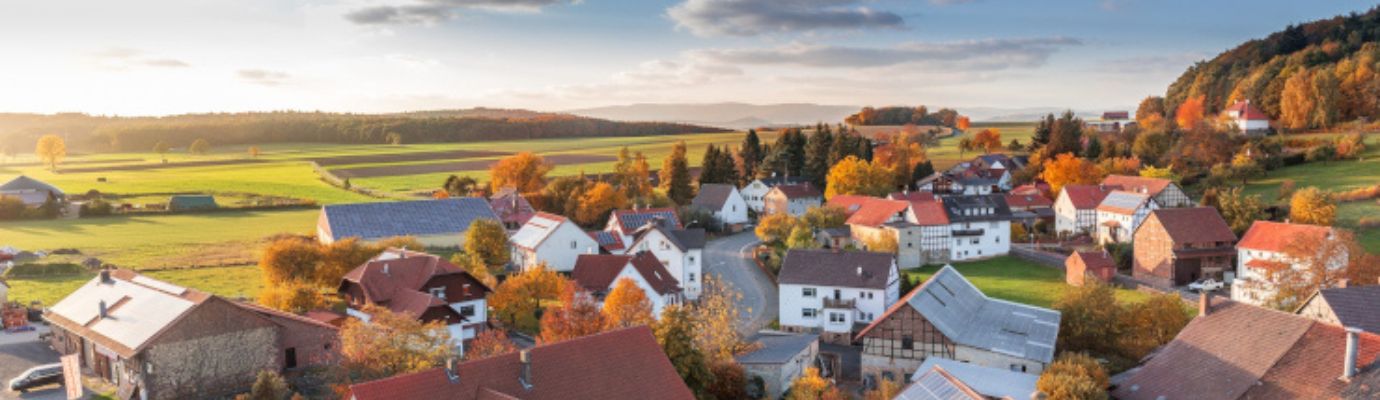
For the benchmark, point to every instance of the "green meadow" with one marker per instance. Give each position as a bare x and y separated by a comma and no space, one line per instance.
1333,176
1014,279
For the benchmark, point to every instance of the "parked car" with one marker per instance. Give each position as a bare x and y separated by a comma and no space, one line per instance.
1206,285
42,375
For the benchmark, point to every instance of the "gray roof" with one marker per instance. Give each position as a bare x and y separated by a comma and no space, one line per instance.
713,195
967,316
937,384
631,220
1120,201
978,207
778,348
1355,306
773,181
684,239
26,184
987,381
837,268
371,221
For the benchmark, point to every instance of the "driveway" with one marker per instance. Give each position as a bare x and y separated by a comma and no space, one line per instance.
730,259
19,352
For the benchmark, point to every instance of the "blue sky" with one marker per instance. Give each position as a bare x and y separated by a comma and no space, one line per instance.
155,57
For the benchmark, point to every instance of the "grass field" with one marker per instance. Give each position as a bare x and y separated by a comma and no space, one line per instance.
1017,280
1333,176
237,281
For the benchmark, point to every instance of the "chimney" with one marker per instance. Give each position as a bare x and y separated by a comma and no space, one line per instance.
385,269
1349,364
525,372
105,276
1341,283
104,314
1204,303
453,369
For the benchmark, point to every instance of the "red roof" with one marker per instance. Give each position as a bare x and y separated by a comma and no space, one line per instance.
869,211
1266,265
848,202
397,283
912,196
511,207
1139,184
1039,188
1032,200
929,213
1245,109
622,364
1193,225
798,191
1086,197
1276,236
596,272
1095,260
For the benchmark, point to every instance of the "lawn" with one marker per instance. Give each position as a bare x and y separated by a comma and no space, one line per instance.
236,281
1014,279
1333,176
946,154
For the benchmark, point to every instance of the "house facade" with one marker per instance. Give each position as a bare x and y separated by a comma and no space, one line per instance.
779,359
1075,209
420,285
1120,213
793,200
980,226
724,201
1178,246
599,274
947,317
828,292
1165,192
754,193
438,223
625,222
1266,248
552,240
680,250
1247,119
31,192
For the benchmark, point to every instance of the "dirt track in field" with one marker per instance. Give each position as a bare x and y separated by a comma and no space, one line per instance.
418,169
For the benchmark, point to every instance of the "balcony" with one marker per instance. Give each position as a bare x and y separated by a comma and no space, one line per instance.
840,304
967,232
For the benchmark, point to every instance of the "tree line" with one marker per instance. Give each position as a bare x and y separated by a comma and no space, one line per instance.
904,115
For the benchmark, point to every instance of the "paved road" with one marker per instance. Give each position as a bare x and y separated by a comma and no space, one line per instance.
19,352
729,259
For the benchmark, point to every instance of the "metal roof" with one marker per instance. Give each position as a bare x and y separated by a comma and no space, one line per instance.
1123,202
537,229
135,310
370,221
967,316
987,381
778,348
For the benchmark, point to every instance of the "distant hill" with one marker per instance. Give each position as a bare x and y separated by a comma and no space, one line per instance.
727,115
1330,64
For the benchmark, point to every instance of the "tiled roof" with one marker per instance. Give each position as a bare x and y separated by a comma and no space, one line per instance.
1355,306
1086,197
1276,236
967,316
511,207
683,239
911,196
1245,109
395,279
773,181
1150,186
596,272
929,213
1123,202
778,348
1031,200
713,195
798,191
978,207
836,268
994,383
537,229
1095,260
630,220
1193,225
625,364
608,241
869,211
380,220
1037,188
1239,351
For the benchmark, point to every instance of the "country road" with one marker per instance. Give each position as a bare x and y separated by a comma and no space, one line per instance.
729,259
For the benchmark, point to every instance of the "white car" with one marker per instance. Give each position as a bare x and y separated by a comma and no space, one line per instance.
1207,285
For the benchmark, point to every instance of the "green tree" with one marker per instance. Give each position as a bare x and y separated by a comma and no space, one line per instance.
802,237
817,156
675,175
488,241
751,154
923,169
675,331
1088,318
1151,147
199,147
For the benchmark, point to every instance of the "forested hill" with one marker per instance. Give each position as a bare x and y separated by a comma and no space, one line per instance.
920,115
100,133
1309,75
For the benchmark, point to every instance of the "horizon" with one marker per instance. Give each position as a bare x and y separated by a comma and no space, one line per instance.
225,57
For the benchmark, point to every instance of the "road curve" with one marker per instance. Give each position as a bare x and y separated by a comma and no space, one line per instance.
729,259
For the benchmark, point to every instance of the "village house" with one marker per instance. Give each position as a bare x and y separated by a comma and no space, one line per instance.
1165,193
1349,306
1178,246
1075,209
1247,119
778,359
1030,207
1120,213
755,193
963,381
512,208
440,223
1266,248
934,236
872,220
980,226
835,238
1084,264
154,340
1239,351
192,202
609,242
31,192
625,364
599,273
1111,122
420,285
680,250
725,202
551,240
625,222
793,200
948,317
829,291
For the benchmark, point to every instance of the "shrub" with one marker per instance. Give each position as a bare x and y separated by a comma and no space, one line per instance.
43,269
1358,194
1368,222
96,208
1286,189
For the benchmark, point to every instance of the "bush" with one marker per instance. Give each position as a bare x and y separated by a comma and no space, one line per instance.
1358,194
43,269
1368,223
11,208
96,208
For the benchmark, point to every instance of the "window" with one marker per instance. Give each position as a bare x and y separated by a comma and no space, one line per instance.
439,292
467,311
290,358
907,342
807,292
836,318
692,276
573,244
808,313
692,259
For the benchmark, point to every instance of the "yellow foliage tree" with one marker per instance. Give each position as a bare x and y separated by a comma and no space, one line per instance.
51,149
487,242
391,344
988,140
525,171
627,305
775,227
1074,376
598,202
1312,206
293,297
1066,169
1297,101
518,298
881,243
811,386
854,176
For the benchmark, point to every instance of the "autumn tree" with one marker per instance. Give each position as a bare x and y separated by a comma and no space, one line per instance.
886,389
854,176
487,241
1150,171
51,149
1149,324
675,175
1312,206
294,297
1074,376
577,316
1088,318
775,228
268,385
517,300
597,202
1067,169
632,174
1237,208
1151,147
824,217
1190,113
988,140
811,386
562,196
391,344
199,147
489,343
1150,112
715,318
675,332
254,151
881,243
627,305
802,237
460,186
730,381
963,123
289,259
525,171
1317,262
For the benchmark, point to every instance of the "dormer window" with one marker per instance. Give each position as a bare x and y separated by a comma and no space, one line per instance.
439,292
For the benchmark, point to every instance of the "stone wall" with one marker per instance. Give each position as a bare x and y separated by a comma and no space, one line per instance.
210,366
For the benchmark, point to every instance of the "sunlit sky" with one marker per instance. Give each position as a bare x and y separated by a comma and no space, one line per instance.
140,57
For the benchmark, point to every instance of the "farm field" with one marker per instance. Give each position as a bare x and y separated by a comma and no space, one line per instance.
1013,279
1335,176
233,282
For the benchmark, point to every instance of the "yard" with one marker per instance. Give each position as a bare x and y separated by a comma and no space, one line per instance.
1014,279
1334,176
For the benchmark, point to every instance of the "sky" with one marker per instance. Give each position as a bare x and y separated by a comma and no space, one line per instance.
161,57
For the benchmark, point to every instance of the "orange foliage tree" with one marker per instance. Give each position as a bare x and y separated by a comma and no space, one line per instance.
517,300
577,316
391,343
1066,169
855,176
627,305
1190,113
963,123
525,171
489,343
988,140
598,202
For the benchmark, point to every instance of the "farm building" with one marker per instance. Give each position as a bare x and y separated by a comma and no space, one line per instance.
780,358
1349,306
31,191
552,240
1265,249
1178,246
189,202
968,381
435,223
1082,264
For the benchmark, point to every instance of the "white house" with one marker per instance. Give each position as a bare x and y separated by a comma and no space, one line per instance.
624,222
1248,119
420,285
793,200
1266,247
724,201
1120,213
600,273
680,250
755,192
980,226
1075,210
1164,191
834,292
552,239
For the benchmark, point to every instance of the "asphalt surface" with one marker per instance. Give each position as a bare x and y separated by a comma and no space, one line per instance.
729,259
19,352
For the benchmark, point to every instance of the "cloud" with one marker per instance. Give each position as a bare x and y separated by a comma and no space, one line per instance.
120,58
430,12
1153,64
755,17
166,62
262,77
989,54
